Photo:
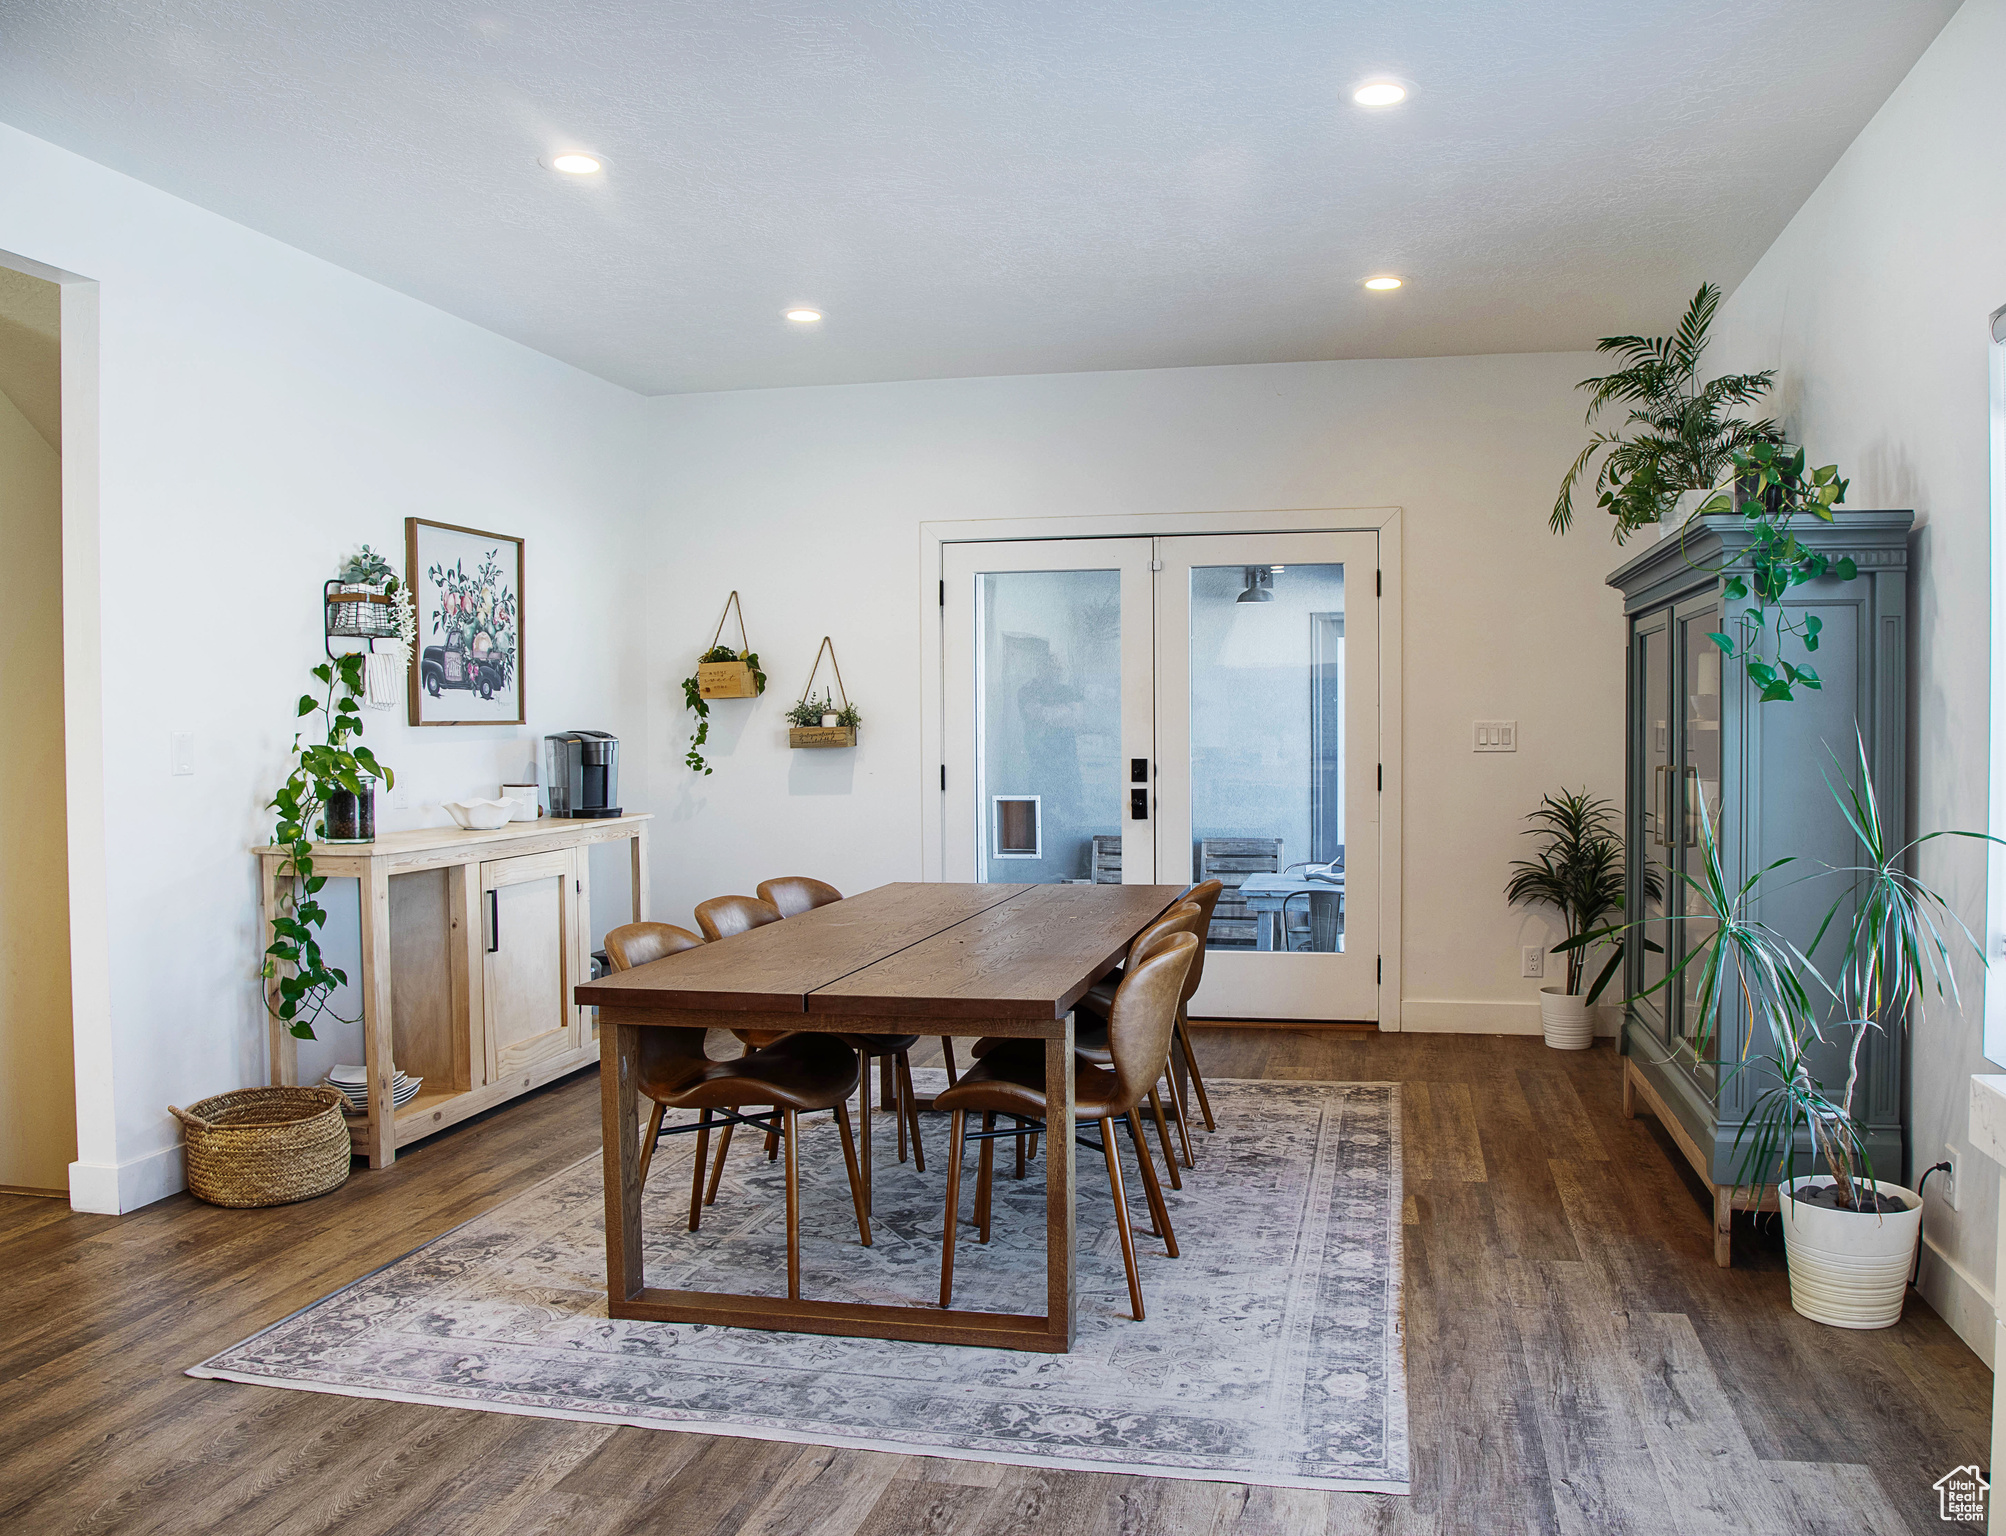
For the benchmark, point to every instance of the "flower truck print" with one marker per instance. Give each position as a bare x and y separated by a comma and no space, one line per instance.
470,626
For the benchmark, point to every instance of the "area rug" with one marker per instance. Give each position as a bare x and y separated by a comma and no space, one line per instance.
1271,1352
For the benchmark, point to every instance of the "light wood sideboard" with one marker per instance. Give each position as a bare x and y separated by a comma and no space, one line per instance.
472,945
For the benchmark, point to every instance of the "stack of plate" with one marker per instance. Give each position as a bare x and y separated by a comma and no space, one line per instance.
354,1085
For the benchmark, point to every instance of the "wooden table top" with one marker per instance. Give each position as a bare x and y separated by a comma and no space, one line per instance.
925,950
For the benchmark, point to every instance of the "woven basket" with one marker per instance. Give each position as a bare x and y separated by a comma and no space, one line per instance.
265,1146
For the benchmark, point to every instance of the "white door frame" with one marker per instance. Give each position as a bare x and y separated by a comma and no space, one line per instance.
1385,521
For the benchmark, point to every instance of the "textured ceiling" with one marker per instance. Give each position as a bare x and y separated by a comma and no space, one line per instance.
31,367
985,186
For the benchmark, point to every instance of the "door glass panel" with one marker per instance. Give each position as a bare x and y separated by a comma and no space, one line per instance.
1267,753
1698,793
1048,725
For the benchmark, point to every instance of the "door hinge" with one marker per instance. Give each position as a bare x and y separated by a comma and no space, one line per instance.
1378,583
943,592
1382,778
1379,970
1156,565
943,775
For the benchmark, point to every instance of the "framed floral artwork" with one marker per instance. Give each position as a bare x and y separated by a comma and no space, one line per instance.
466,668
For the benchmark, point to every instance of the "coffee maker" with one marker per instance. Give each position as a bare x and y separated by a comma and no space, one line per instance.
583,772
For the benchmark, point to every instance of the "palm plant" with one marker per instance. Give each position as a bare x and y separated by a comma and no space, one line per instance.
1686,440
1579,872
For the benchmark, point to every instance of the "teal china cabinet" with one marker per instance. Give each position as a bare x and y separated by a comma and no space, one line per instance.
1701,744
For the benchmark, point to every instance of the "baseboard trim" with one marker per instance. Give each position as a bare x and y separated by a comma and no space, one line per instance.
1959,1298
112,1189
33,1193
1449,1017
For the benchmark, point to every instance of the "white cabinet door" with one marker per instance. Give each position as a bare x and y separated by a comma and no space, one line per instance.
533,959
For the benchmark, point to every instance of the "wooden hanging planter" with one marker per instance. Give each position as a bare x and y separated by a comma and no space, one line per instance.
823,734
734,679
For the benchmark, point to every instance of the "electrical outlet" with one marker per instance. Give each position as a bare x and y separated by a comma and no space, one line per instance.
400,798
1946,1183
1496,736
181,753
1532,961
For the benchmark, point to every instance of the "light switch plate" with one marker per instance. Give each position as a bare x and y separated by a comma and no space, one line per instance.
181,753
1497,736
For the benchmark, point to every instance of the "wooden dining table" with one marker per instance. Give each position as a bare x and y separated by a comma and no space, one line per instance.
925,959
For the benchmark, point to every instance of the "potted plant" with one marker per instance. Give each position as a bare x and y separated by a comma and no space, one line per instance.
1681,441
1578,871
823,722
328,796
1850,1237
721,673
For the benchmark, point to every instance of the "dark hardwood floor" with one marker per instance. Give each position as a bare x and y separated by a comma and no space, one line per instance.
1576,1362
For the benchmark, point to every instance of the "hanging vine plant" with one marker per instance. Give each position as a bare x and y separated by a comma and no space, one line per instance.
721,673
304,980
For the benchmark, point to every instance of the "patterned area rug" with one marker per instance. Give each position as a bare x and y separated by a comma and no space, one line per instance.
1271,1351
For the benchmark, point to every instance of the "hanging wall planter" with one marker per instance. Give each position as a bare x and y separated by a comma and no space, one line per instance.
721,673
822,722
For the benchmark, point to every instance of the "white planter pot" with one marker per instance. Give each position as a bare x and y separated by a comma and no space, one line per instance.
1568,1021
1688,503
1849,1268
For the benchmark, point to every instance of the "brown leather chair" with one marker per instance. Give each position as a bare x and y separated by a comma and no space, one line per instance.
792,895
804,1073
1010,1081
1090,1039
1206,895
724,917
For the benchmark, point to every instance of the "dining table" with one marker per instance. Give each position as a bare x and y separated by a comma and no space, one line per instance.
927,958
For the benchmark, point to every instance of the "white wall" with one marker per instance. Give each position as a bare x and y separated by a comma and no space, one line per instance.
809,501
38,1129
1873,305
262,413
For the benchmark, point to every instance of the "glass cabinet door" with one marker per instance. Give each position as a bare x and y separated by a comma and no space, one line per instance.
1698,798
1654,848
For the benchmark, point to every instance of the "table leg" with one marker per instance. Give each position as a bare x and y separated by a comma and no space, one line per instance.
620,1135
378,1041
1265,923
638,853
1061,1293
284,1049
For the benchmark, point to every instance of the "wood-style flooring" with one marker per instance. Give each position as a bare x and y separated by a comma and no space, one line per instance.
1576,1362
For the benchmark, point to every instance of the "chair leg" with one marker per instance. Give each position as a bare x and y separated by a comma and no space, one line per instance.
1020,1153
891,1071
910,1101
986,1166
1191,1063
947,1052
1159,1208
954,1134
648,1141
864,1124
1183,1107
856,1179
717,1168
699,1165
1163,1135
793,1206
1121,1216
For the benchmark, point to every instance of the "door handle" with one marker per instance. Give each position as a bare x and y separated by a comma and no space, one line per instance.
494,921
1138,805
1689,782
1658,812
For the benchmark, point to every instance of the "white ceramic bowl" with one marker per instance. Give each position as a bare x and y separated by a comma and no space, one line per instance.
480,815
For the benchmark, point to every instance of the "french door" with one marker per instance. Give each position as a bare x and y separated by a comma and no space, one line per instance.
1169,710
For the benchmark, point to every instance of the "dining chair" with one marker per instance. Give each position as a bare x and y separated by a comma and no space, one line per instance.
1010,1081
802,1074
1206,895
792,895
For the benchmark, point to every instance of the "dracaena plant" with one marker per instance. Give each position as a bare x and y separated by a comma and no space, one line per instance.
293,959
1578,871
1678,436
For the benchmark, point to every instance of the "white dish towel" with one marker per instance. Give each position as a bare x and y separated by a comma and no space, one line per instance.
381,675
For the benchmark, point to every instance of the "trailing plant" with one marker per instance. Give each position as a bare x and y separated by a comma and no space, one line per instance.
1777,490
809,711
319,769
701,706
1681,437
1898,941
1578,870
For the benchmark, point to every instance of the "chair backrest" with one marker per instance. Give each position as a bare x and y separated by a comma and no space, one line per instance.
1205,895
1185,917
638,943
1145,1010
723,916
795,894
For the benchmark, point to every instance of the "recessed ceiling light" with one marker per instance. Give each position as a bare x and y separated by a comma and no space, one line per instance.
804,316
574,163
1380,93
1382,284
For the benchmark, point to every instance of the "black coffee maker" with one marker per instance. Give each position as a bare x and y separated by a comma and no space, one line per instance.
583,773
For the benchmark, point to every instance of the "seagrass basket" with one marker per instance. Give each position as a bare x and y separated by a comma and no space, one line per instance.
265,1146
